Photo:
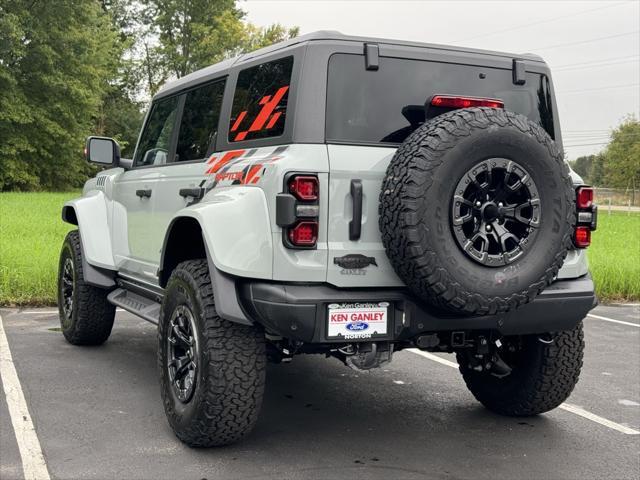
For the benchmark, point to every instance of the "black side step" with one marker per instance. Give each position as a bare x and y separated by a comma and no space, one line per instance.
143,307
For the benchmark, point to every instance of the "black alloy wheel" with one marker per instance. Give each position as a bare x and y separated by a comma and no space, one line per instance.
495,212
183,353
67,284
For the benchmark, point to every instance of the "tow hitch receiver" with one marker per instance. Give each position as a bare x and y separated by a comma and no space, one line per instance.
365,356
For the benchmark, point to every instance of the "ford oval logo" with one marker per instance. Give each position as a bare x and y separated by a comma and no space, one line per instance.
357,326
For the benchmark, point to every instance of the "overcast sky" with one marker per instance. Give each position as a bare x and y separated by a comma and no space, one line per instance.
593,47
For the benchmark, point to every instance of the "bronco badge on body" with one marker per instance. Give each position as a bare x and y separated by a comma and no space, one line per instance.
354,261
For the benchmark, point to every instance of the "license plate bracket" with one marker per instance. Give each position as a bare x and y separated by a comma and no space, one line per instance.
358,320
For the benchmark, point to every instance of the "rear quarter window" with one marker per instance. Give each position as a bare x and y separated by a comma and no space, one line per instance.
386,105
260,101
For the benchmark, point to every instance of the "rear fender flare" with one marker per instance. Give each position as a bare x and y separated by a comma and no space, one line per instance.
236,238
236,231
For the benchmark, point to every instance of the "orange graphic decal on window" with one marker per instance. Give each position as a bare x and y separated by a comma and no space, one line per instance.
273,120
269,104
238,121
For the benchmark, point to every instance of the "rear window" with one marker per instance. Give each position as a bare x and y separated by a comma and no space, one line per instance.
386,105
260,101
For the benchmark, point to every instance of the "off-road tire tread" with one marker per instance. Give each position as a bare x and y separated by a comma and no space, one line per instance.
94,313
411,173
550,377
237,363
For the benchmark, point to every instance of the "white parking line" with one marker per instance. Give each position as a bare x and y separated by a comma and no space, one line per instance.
565,406
433,357
33,465
606,319
52,312
598,419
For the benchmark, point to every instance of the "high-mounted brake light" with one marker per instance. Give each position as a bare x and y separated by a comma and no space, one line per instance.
304,234
586,217
584,197
304,187
454,101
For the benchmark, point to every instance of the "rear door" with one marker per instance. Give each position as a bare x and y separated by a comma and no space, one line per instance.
195,143
369,113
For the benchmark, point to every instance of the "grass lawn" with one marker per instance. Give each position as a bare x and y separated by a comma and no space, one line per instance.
31,233
614,256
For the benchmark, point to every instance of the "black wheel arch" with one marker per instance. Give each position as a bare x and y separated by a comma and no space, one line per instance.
184,241
69,215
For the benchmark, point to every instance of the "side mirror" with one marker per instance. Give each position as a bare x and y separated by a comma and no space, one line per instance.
102,151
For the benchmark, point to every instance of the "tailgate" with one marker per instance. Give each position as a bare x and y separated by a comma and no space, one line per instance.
368,165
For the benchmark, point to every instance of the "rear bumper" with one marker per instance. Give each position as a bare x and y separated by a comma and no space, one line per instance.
299,311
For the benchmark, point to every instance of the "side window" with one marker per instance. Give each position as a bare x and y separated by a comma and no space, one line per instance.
153,148
199,124
260,101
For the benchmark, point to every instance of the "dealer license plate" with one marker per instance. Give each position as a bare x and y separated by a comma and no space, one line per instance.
357,320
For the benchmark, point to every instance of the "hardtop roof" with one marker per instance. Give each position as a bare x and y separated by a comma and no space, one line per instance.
322,35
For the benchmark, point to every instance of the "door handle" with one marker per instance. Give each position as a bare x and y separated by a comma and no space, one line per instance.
143,193
194,192
355,225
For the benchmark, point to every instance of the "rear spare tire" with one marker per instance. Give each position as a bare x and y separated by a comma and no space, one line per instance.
477,211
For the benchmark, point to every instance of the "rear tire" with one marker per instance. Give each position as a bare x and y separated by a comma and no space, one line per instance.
86,317
216,398
545,371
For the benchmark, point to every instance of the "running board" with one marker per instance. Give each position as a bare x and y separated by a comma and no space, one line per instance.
143,307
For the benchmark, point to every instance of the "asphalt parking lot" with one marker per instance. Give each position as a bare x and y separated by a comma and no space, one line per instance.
97,414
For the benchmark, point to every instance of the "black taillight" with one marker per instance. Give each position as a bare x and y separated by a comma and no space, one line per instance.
298,209
586,217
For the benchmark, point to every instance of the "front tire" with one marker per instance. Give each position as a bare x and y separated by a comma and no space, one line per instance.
545,369
86,316
212,371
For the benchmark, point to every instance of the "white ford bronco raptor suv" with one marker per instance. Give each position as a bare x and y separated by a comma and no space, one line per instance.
345,196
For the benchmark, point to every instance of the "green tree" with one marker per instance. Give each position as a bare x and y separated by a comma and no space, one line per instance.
71,68
120,114
120,117
597,175
193,34
622,155
583,165
55,62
